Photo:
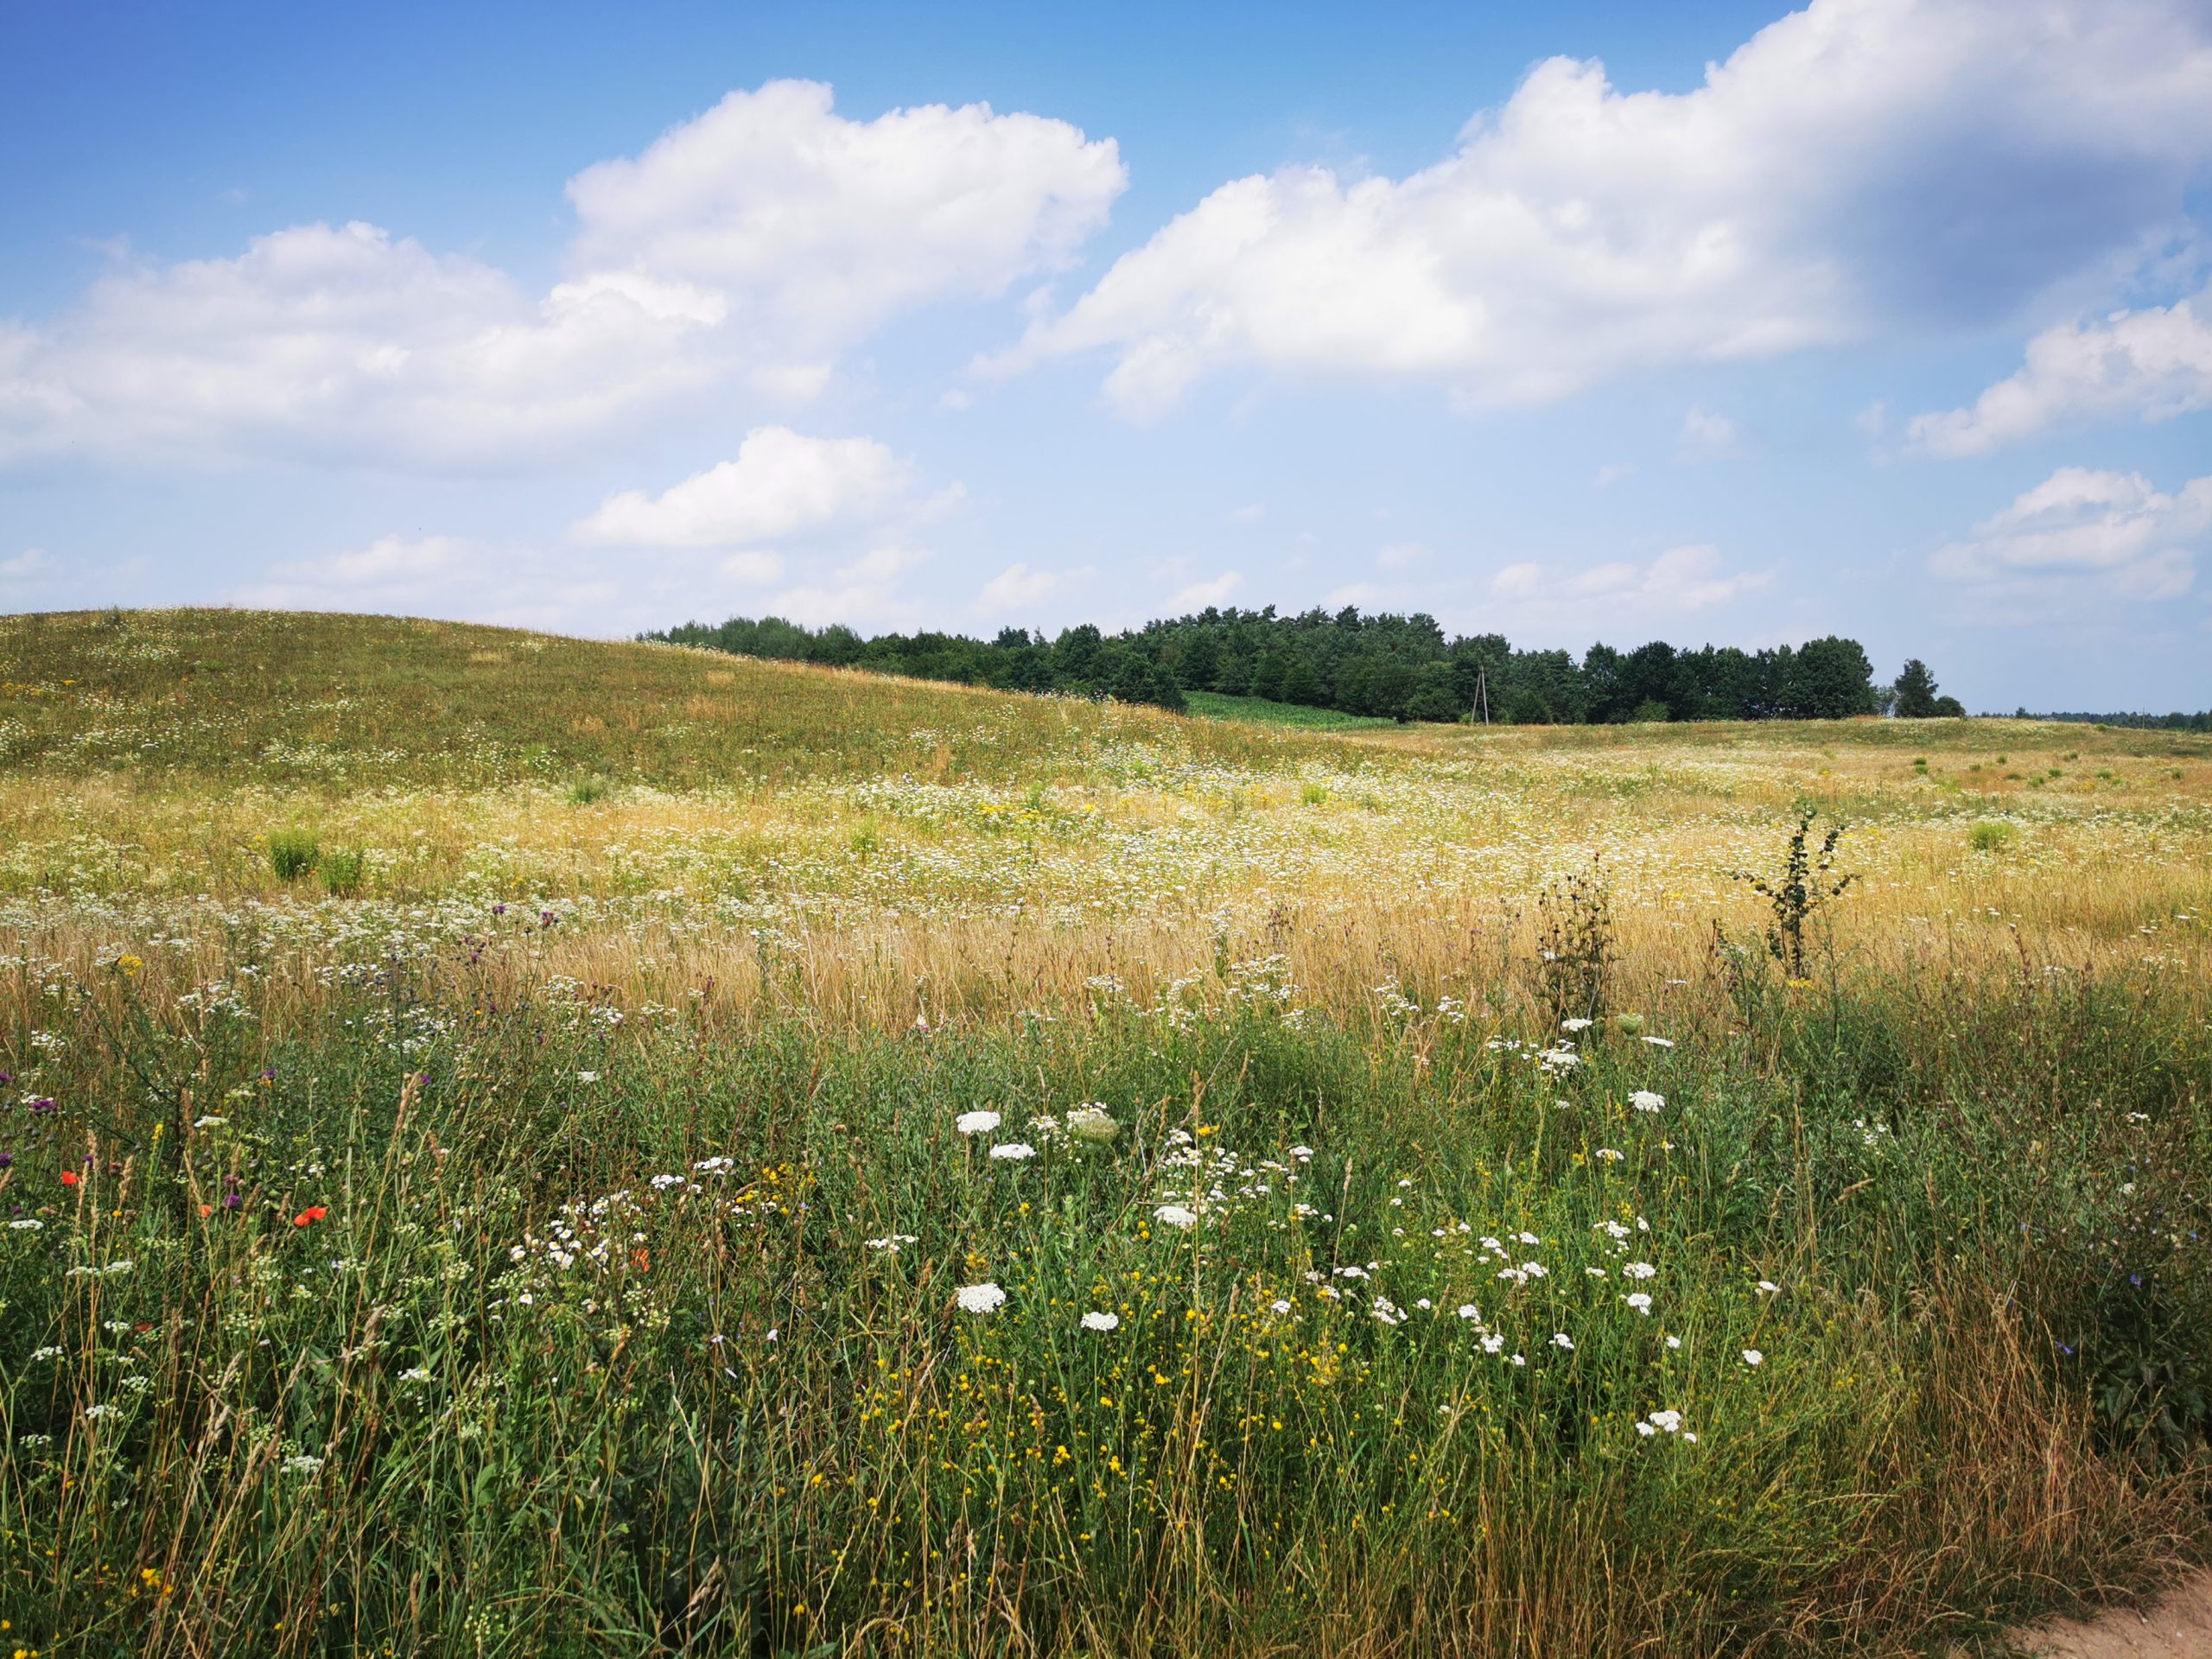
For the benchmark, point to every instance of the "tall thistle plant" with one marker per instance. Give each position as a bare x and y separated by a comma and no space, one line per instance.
1806,882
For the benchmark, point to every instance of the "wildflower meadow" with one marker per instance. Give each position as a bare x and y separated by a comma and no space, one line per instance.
515,1146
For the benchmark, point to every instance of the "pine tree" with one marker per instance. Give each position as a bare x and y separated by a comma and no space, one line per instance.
1200,664
1915,691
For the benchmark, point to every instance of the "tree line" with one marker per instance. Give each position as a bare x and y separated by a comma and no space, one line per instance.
2176,721
1396,667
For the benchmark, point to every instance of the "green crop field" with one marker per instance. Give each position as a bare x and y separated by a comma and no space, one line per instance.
1261,711
514,1145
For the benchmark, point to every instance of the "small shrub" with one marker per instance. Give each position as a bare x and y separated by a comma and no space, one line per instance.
343,872
585,791
292,854
1991,835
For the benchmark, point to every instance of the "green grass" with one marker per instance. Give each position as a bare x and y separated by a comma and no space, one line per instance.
1263,711
443,1325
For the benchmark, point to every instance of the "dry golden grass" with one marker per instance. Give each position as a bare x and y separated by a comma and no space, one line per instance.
886,849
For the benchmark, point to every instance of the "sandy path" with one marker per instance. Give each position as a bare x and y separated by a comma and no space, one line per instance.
2178,1626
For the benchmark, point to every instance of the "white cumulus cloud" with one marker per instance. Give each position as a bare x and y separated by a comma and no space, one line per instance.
2149,366
345,344
445,575
744,250
1678,580
1858,163
1017,588
864,593
1707,437
753,567
781,483
2104,533
831,225
1200,595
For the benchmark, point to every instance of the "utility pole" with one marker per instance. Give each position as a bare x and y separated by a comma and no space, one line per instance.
1482,691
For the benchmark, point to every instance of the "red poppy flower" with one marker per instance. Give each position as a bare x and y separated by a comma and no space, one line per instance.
314,1213
68,1178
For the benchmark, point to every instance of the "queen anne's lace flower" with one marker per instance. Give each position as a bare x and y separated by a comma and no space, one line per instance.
985,1298
1092,1123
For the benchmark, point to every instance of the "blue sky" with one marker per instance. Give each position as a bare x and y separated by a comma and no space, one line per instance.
1616,322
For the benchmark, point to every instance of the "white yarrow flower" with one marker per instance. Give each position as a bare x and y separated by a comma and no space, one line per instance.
985,1298
1174,1215
1646,1100
1752,1356
1101,1321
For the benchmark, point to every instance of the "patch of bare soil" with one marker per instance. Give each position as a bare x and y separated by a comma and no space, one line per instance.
2178,1626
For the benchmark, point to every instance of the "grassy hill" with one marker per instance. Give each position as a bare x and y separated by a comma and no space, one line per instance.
309,697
